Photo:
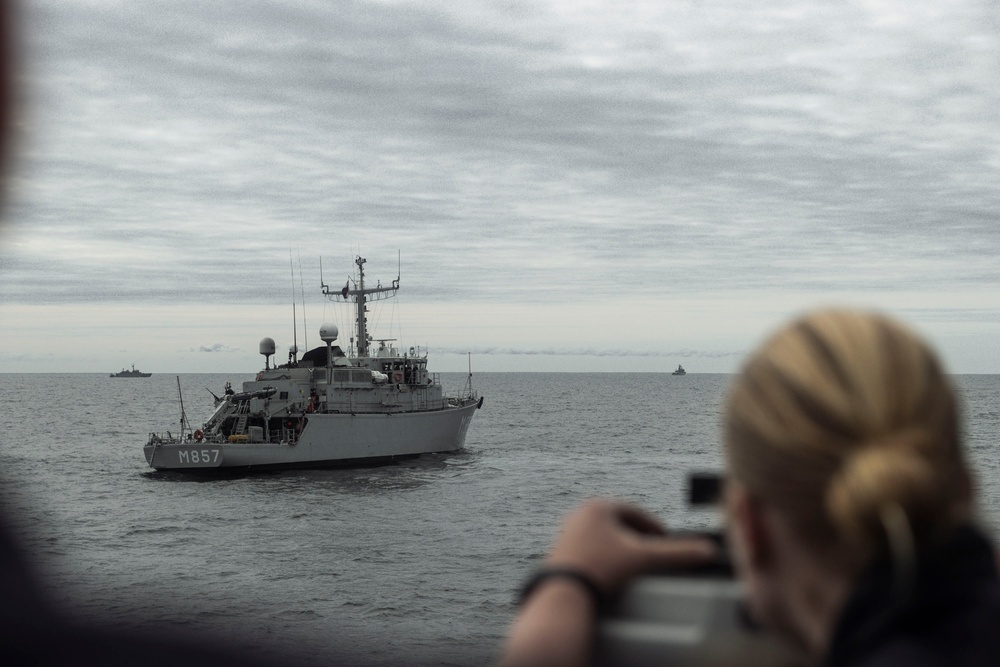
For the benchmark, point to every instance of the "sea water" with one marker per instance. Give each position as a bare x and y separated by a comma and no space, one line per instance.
414,563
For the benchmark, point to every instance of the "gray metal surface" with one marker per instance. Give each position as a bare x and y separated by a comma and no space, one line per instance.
685,621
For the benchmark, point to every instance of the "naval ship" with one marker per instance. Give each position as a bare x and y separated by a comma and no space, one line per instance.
329,408
130,373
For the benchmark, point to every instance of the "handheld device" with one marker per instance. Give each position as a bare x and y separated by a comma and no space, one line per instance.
688,618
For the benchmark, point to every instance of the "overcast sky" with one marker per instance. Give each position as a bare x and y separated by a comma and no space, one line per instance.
570,185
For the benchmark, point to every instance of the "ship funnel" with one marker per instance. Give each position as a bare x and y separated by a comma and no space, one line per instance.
328,332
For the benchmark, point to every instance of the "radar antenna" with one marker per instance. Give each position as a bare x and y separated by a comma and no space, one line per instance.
362,295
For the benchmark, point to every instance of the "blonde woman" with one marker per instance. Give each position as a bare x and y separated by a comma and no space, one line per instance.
849,506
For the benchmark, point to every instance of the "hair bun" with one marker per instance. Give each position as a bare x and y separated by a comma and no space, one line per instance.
893,470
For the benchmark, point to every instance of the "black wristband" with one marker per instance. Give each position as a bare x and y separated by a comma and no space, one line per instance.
579,577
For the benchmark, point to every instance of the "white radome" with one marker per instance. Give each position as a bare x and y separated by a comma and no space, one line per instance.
328,332
267,346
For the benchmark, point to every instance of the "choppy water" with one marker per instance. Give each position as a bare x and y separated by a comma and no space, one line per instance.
415,562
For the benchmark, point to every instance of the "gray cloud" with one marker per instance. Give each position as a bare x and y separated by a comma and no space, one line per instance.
175,151
217,347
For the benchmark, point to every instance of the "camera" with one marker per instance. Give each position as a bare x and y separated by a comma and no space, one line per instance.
691,617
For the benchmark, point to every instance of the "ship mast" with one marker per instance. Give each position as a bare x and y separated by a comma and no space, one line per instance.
362,295
293,353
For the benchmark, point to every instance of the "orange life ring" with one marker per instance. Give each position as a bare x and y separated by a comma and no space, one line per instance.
198,435
397,376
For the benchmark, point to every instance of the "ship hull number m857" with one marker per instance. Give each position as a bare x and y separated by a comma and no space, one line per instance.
199,456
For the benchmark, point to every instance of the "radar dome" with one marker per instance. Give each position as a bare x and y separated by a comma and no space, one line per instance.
294,349
267,346
328,332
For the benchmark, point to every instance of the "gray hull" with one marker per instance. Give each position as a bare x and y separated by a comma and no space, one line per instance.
328,440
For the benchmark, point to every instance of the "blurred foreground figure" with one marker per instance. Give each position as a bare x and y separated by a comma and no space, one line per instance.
848,503
33,631
6,91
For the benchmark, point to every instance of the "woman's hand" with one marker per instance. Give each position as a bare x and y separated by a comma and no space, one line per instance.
612,541
609,542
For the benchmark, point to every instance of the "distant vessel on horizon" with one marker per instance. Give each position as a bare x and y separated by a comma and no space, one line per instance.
680,370
130,374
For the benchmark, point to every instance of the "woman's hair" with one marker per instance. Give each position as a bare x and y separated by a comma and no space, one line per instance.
844,422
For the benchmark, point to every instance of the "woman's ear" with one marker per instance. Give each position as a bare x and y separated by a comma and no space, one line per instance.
752,549
748,527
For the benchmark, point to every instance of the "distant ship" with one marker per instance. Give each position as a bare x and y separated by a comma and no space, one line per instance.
329,408
680,370
130,374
